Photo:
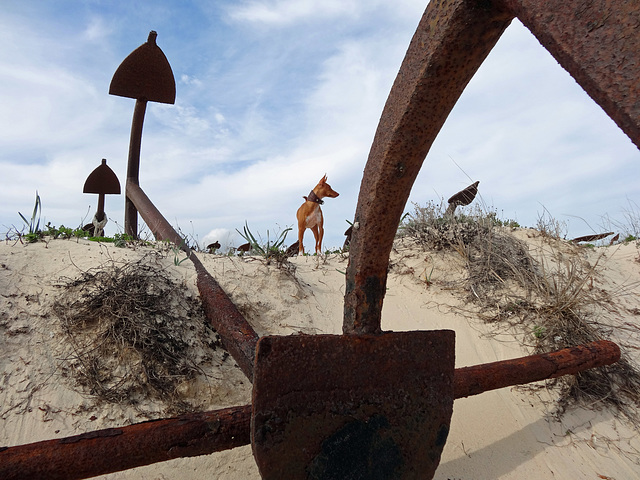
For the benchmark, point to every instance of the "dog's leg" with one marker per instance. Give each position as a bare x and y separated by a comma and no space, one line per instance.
316,235
301,229
319,238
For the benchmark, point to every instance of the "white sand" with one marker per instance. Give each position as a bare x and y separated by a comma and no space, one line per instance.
503,434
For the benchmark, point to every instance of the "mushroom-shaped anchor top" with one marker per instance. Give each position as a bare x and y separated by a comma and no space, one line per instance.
463,197
145,74
101,181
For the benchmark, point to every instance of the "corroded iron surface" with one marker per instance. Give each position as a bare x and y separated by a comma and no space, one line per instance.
451,42
466,196
116,449
102,180
491,376
238,336
597,42
145,75
229,428
347,406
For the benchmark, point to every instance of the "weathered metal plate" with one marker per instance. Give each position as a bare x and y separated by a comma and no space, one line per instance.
346,406
145,75
102,180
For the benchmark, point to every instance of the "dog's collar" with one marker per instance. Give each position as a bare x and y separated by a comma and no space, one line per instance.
313,198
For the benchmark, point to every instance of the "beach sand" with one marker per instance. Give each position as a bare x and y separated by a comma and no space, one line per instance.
510,433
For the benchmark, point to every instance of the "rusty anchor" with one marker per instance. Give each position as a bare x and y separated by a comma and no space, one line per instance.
102,181
307,398
146,76
346,406
82,456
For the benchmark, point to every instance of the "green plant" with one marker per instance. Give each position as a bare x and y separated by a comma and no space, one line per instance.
539,331
176,256
268,249
34,223
427,278
122,239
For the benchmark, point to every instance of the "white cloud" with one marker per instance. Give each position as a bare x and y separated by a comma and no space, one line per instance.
287,12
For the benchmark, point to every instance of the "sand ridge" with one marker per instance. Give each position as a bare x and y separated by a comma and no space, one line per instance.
505,434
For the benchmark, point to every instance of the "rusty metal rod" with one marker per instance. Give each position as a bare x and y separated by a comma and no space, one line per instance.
491,376
597,42
133,167
161,229
237,335
452,40
115,449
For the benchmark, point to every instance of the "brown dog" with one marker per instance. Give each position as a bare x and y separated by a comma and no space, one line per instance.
310,215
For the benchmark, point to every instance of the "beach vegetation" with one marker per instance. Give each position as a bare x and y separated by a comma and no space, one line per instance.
128,330
544,295
270,250
33,224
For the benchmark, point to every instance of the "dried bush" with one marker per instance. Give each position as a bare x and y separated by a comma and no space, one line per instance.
549,303
131,333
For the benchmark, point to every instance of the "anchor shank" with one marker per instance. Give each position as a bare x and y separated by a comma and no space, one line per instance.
238,336
133,167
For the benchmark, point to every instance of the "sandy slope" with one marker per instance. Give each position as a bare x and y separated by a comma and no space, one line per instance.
506,434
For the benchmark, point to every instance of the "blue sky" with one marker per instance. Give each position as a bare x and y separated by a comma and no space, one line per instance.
273,94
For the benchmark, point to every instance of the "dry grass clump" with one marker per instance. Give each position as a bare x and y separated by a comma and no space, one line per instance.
432,230
548,300
132,334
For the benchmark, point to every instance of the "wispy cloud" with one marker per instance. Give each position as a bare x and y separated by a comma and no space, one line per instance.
288,12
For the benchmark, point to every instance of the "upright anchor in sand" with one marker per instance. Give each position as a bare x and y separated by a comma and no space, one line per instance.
102,181
146,76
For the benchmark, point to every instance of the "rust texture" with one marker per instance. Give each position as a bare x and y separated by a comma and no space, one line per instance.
491,376
352,406
451,42
102,180
116,449
146,76
597,42
133,167
237,335
466,196
156,222
462,198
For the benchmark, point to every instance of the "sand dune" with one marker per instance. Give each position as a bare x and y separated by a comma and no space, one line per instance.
503,434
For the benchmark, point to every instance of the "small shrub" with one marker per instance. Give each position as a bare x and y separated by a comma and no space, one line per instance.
268,250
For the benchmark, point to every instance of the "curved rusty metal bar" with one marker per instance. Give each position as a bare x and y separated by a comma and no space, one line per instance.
451,42
597,42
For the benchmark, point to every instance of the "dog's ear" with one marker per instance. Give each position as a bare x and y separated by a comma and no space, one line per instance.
324,179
